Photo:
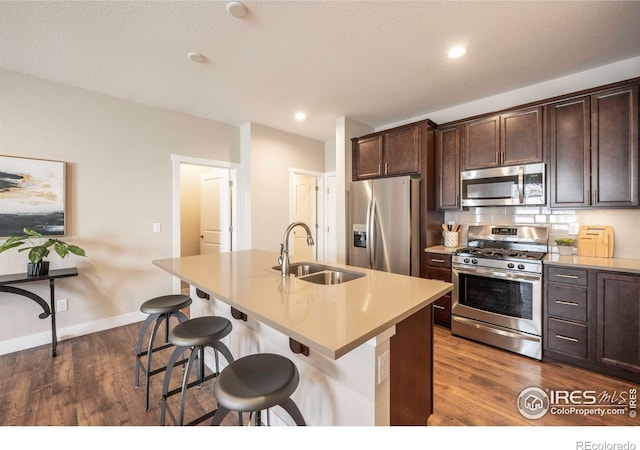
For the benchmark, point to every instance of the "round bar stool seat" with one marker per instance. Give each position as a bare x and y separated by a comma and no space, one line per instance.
159,309
255,383
165,304
194,335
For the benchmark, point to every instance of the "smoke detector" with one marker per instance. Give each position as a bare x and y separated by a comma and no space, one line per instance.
237,9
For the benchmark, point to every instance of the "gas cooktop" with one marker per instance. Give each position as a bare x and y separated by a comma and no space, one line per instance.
500,253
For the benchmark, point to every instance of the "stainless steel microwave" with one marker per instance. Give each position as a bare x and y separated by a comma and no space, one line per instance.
504,186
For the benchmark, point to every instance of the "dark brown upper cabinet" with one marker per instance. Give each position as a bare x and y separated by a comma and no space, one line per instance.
449,142
388,153
514,137
614,147
593,150
367,157
481,143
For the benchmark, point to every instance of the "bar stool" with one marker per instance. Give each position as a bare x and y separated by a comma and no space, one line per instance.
194,335
255,383
159,309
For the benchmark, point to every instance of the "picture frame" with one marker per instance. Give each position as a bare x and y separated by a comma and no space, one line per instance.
32,195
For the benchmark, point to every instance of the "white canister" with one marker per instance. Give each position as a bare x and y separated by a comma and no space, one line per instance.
450,238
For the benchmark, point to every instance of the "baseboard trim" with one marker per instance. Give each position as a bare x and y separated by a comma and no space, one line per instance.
44,338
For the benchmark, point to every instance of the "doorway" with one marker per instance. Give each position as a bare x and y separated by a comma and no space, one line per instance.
312,200
204,208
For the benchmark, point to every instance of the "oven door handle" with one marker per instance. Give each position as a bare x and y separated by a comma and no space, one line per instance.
492,273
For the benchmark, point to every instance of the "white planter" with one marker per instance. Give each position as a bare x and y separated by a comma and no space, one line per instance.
565,250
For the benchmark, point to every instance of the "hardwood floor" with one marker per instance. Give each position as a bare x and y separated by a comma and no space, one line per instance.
476,384
90,382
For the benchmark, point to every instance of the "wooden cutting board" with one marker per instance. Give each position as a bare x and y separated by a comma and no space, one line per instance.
595,240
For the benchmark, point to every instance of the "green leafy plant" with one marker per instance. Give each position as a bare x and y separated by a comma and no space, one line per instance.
38,249
567,242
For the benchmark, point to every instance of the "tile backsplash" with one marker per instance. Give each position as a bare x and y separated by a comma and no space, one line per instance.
625,223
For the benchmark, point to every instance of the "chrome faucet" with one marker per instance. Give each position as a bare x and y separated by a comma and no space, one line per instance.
283,260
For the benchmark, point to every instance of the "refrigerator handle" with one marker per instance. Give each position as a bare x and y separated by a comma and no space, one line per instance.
370,241
372,238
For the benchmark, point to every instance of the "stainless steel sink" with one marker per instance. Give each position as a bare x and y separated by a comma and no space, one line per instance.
320,273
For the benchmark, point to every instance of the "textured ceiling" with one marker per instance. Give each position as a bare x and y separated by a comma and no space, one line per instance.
379,62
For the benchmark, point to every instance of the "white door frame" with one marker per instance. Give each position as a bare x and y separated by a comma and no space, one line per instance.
326,207
233,175
321,205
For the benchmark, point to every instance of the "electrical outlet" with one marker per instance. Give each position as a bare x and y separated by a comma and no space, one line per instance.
61,305
383,367
574,228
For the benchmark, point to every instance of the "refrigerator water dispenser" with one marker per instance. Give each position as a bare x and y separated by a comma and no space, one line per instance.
360,239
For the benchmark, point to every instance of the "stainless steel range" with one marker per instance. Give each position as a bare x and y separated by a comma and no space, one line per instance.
497,287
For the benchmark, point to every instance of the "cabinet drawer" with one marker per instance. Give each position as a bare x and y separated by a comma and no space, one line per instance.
566,275
567,302
439,274
438,260
442,310
567,337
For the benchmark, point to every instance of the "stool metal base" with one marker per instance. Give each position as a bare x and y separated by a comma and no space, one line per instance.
193,331
157,319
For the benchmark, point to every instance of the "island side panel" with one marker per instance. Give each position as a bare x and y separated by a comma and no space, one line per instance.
412,370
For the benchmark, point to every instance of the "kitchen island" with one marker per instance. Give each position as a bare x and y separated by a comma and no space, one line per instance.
368,340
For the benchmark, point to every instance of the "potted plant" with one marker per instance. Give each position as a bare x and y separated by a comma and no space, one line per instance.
565,245
39,249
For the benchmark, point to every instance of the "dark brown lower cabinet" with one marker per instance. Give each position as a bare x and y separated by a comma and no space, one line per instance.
618,322
592,319
439,268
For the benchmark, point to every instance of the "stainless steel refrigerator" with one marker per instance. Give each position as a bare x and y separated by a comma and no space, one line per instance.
384,225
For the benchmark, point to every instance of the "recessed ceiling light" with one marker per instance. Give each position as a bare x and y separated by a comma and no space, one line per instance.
237,9
300,116
197,57
456,52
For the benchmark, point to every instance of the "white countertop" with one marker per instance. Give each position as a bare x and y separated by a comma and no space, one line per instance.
442,249
630,265
330,319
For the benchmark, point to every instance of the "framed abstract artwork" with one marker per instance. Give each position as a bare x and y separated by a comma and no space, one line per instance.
32,195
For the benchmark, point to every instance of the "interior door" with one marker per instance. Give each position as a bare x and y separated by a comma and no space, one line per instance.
305,210
215,212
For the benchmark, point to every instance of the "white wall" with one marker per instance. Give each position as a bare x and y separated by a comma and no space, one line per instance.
273,152
119,182
598,76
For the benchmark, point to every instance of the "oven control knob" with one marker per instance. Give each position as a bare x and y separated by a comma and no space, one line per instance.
467,260
474,261
521,266
510,265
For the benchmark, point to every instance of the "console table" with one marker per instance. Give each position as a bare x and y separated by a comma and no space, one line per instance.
7,280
